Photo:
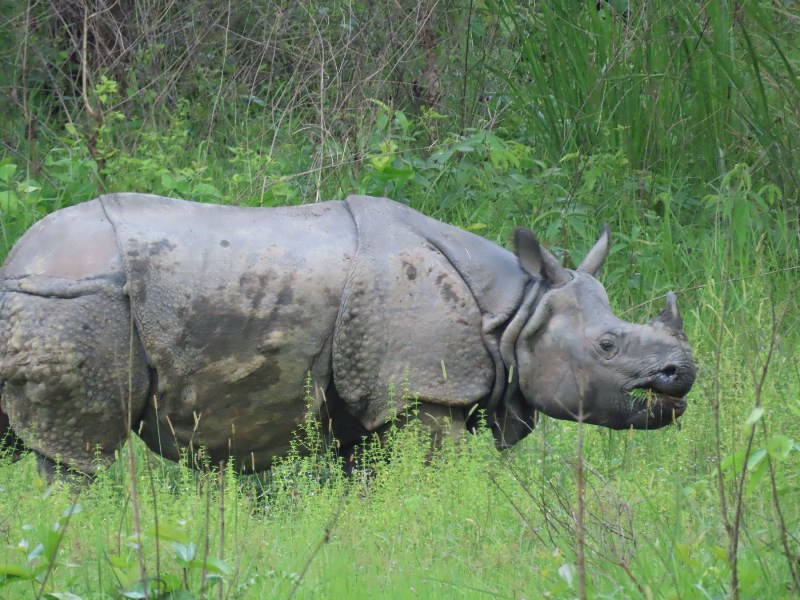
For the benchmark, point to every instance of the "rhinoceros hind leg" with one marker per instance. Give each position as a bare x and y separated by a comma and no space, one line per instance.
73,377
10,445
52,471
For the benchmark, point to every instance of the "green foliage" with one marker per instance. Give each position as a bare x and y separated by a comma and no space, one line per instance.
676,86
126,567
38,550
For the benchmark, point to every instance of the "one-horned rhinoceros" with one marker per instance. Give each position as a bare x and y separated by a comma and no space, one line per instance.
198,324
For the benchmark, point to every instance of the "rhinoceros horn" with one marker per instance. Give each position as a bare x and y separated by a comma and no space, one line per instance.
670,317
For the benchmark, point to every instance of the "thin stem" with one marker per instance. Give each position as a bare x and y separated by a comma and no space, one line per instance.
466,69
579,521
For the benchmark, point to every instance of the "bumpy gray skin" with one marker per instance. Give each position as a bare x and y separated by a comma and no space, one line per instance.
196,326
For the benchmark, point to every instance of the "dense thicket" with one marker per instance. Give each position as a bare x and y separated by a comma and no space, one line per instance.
692,88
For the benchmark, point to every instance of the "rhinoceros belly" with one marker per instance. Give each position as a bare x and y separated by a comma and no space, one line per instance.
235,307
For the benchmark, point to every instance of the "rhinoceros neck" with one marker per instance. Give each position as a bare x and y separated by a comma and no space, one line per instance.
511,331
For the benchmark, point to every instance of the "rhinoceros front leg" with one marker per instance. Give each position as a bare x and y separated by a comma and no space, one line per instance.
442,421
74,378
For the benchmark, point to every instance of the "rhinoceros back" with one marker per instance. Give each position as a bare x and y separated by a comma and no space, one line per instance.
234,306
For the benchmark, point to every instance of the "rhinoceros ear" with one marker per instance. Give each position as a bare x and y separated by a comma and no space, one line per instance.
536,260
597,255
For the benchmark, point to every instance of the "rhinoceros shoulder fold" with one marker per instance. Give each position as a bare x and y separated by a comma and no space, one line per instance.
420,298
491,272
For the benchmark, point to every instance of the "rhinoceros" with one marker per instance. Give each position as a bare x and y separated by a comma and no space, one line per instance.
204,325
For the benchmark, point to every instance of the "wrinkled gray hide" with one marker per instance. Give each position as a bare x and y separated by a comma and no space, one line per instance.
196,325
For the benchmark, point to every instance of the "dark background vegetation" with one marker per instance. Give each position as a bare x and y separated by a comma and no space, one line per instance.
677,122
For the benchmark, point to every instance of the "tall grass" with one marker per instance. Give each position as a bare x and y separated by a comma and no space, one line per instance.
685,87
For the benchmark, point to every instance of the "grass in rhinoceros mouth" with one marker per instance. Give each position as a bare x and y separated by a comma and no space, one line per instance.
644,395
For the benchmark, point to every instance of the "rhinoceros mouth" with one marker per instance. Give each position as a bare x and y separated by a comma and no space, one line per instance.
658,408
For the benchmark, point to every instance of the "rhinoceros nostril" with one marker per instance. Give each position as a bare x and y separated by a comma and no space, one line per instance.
669,372
673,380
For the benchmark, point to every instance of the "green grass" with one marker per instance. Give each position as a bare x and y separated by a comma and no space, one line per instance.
473,522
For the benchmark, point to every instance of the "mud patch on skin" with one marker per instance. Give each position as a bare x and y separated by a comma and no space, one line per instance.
332,297
137,271
411,271
233,370
285,296
158,248
446,290
215,329
254,288
449,294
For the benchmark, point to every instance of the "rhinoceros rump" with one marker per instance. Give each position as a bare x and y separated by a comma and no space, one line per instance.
197,324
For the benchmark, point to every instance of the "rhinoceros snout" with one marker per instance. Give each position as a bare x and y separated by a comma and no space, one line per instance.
674,380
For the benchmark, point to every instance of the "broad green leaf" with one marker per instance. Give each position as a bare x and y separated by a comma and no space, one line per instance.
684,552
567,573
401,120
755,415
467,146
184,552
181,595
443,155
720,553
168,181
216,565
169,583
206,191
36,552
398,172
126,570
476,227
169,533
119,561
779,446
256,100
756,457
733,462
28,187
71,510
7,172
13,572
757,475
9,202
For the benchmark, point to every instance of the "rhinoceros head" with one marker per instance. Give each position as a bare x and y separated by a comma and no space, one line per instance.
576,360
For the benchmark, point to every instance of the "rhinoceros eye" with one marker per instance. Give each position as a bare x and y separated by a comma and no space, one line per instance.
608,346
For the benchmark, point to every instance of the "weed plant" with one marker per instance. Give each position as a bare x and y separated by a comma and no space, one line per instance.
674,122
